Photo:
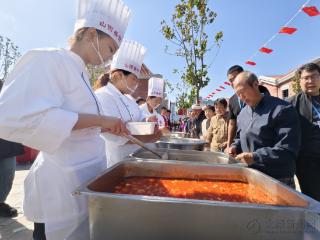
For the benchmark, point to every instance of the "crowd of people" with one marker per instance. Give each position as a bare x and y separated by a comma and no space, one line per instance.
47,103
277,137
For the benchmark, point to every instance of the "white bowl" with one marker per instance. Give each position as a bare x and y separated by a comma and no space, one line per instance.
141,128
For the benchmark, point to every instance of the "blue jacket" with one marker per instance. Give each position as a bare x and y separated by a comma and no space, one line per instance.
271,131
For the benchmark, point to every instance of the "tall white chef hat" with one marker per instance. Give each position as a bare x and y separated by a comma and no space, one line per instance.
109,16
129,57
156,87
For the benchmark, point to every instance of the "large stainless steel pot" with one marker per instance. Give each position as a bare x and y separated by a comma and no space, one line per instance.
123,216
182,143
187,155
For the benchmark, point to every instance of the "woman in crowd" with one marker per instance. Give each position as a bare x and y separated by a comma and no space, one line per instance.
217,133
209,112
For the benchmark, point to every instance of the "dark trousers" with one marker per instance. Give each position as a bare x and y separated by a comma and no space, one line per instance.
7,171
288,181
309,180
39,231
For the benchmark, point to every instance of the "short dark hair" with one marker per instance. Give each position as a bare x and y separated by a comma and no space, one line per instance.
309,67
164,108
222,101
235,68
210,107
139,99
102,81
264,90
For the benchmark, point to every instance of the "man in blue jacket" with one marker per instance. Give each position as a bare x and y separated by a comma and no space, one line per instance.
268,136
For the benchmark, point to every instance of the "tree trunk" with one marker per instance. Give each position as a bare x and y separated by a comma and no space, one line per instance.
198,97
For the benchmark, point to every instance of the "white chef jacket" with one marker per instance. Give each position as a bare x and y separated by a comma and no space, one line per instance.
146,114
39,106
115,104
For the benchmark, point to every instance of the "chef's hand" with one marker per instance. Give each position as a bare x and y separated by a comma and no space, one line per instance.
223,145
165,131
232,151
113,125
152,119
245,157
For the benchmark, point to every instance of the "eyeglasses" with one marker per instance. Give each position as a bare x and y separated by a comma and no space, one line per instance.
314,76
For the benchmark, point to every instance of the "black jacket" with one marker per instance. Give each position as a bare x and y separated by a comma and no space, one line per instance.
303,105
10,149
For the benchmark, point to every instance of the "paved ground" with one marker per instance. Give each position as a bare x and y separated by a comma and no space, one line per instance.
17,228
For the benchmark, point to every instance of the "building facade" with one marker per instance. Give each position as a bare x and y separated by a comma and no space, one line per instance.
281,85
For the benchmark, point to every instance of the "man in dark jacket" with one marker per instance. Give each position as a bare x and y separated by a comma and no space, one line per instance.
235,104
307,104
269,134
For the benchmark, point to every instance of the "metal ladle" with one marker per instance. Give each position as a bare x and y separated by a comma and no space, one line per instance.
144,146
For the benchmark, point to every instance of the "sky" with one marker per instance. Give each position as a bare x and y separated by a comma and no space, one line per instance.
246,25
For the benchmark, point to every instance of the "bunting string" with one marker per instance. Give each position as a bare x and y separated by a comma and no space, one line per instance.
311,11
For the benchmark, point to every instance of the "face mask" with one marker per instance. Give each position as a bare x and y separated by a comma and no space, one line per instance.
154,106
132,90
103,63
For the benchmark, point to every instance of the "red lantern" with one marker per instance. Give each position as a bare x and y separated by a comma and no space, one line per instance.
222,87
265,50
287,30
227,83
218,89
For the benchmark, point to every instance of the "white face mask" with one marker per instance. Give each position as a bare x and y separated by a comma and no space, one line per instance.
154,106
131,90
104,63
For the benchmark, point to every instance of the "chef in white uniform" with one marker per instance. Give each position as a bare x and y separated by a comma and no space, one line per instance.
116,101
47,103
154,99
